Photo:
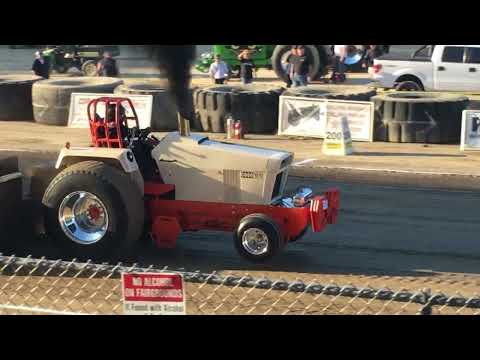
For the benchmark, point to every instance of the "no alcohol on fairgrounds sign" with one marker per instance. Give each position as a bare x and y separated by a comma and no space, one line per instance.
153,294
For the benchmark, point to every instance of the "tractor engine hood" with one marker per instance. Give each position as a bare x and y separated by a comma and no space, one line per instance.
206,170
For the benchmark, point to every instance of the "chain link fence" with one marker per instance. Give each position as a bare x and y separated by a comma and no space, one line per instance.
41,286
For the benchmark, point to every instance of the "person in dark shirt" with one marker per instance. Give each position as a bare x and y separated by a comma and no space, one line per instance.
371,53
247,67
107,66
40,66
300,67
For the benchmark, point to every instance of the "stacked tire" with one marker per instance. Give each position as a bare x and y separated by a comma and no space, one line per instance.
51,98
333,92
419,117
164,109
256,106
16,97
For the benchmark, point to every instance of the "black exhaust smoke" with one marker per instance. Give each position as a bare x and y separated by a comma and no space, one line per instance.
175,61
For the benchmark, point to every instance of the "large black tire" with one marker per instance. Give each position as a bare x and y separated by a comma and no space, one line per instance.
16,97
335,92
269,228
123,202
318,55
256,106
419,117
61,68
51,98
164,109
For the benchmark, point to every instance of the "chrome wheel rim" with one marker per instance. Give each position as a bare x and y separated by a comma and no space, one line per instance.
255,241
83,218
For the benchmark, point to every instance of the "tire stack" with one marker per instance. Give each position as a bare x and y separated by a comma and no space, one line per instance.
16,97
256,106
164,109
51,98
419,117
333,92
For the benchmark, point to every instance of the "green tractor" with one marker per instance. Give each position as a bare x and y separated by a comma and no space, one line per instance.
268,57
82,57
274,56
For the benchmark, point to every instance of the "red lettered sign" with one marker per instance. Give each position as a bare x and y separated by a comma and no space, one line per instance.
153,294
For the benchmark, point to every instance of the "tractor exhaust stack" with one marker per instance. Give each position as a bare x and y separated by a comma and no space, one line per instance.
183,125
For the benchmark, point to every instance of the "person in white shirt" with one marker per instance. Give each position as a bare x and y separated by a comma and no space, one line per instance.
219,71
340,52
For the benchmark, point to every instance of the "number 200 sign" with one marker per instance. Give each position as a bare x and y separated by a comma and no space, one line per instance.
153,294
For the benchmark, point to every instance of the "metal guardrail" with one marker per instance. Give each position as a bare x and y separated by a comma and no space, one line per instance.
41,286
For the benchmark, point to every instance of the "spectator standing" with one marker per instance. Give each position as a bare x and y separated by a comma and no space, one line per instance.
373,52
287,66
40,66
107,66
300,67
219,71
340,52
247,67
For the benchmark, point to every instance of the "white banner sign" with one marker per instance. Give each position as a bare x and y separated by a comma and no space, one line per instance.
470,130
78,117
308,117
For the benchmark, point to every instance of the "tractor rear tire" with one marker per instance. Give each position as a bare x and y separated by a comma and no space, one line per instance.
264,227
121,203
16,97
256,106
164,109
51,98
334,92
419,117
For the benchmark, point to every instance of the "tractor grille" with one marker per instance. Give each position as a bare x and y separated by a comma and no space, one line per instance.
231,185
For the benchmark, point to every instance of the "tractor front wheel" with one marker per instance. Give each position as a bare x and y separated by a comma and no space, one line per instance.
258,238
93,211
89,68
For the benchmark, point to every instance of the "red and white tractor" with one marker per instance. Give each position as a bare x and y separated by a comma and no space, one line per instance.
130,184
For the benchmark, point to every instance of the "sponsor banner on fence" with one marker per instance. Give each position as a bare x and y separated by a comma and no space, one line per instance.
153,294
470,130
78,117
308,117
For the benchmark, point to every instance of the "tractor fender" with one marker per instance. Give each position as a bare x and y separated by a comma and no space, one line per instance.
122,159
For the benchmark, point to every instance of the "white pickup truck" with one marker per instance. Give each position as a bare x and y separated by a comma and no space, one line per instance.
431,67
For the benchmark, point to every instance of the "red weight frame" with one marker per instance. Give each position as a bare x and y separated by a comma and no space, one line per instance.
170,217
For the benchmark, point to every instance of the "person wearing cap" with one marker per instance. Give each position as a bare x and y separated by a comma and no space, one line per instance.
107,66
40,66
219,71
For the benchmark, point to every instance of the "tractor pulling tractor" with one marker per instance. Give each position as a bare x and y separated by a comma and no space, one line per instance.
130,184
